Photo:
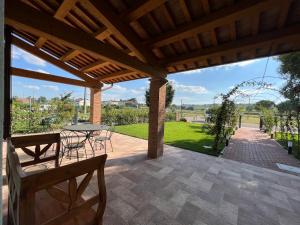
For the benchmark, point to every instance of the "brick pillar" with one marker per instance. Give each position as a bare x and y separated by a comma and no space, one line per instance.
95,105
156,117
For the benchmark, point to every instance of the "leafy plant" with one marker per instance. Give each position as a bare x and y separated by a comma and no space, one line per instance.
169,95
268,119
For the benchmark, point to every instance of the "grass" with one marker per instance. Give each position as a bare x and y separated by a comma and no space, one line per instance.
282,140
180,134
250,119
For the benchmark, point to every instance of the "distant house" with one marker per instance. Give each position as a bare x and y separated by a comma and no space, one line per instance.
80,102
23,100
129,102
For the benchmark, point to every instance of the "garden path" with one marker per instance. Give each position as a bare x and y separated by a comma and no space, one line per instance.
250,145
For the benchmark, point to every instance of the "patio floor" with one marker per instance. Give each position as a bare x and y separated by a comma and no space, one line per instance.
250,145
189,188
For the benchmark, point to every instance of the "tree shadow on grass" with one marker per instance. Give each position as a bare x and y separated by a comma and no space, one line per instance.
199,128
195,145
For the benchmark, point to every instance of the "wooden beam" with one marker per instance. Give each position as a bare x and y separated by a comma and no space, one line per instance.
284,10
141,8
64,8
211,21
205,6
49,77
69,55
24,17
61,12
116,75
105,13
101,34
35,51
234,46
7,83
94,65
40,42
255,20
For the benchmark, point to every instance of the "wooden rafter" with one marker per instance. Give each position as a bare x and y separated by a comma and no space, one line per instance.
35,51
141,8
21,16
101,34
210,21
107,16
94,65
69,55
61,12
234,46
285,6
50,77
116,75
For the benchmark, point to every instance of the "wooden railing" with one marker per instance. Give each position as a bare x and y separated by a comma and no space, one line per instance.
52,196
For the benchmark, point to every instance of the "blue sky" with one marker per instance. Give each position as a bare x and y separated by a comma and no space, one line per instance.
192,87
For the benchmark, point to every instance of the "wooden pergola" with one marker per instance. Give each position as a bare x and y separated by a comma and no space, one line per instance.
112,41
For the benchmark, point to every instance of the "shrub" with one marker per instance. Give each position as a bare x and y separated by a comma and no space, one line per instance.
183,120
268,119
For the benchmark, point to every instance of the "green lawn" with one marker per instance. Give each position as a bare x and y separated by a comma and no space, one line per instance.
180,134
281,139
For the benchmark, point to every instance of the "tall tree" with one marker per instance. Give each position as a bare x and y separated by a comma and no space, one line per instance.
169,95
264,104
290,70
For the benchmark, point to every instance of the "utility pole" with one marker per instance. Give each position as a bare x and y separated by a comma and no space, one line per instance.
181,108
84,101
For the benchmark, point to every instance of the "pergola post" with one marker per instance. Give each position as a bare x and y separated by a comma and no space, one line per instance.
156,117
95,105
7,82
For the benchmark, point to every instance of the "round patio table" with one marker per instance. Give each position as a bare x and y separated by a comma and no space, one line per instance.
88,130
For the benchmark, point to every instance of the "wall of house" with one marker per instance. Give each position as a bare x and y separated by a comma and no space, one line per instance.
1,94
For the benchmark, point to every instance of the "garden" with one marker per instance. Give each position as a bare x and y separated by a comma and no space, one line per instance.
191,136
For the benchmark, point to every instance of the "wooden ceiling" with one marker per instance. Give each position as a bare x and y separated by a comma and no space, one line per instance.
118,40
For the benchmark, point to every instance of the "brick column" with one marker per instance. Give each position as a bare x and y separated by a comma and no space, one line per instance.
95,105
156,117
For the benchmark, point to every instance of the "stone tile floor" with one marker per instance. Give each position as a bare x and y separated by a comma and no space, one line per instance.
249,145
189,188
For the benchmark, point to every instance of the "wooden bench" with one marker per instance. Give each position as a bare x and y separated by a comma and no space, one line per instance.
55,195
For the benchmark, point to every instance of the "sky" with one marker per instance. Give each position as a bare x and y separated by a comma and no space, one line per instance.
201,86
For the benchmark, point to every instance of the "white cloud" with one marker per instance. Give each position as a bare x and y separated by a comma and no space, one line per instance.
42,71
138,91
19,54
33,87
51,87
119,88
196,71
188,88
237,64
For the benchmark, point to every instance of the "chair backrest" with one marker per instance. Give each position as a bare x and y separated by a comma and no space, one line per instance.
110,131
39,198
69,137
41,144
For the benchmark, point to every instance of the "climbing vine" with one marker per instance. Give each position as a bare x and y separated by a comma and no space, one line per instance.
227,114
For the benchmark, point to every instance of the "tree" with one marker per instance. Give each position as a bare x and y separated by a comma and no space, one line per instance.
169,95
286,106
264,104
290,70
42,99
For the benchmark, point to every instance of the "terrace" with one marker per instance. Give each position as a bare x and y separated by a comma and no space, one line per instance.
108,42
185,187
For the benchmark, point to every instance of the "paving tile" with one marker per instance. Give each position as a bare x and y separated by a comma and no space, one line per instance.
250,145
189,188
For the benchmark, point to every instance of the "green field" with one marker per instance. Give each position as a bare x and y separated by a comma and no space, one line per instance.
180,134
250,119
